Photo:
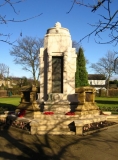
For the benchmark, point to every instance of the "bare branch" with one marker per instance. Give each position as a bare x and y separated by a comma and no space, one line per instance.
83,4
98,5
72,6
88,35
94,7
12,20
108,22
3,18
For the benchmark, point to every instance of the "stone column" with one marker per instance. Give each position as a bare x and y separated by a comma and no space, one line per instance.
41,70
49,73
65,73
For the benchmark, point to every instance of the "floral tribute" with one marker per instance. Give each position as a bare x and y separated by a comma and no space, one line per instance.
48,113
70,113
22,113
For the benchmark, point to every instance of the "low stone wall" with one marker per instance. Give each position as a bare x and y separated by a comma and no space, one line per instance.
3,93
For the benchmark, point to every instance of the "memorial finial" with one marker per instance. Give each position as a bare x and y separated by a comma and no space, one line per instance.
58,25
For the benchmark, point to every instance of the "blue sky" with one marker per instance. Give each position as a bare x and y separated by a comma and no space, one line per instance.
52,11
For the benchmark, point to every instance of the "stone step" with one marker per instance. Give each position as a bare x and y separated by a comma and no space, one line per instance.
50,122
106,112
35,130
42,116
95,119
49,118
37,122
54,132
51,128
59,116
112,116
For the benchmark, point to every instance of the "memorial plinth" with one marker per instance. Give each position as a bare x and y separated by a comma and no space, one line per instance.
29,102
87,104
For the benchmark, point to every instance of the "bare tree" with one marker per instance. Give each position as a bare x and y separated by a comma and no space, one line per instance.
4,70
105,66
4,37
26,54
108,21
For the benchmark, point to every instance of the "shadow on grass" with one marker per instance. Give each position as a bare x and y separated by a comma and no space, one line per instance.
6,107
106,102
108,105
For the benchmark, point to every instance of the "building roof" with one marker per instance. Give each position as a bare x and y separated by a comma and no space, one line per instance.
96,77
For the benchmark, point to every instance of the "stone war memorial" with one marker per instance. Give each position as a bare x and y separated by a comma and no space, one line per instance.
57,71
58,108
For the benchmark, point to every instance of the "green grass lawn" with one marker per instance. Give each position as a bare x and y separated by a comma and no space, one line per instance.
9,103
107,103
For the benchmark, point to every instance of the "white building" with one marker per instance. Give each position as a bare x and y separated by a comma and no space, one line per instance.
98,81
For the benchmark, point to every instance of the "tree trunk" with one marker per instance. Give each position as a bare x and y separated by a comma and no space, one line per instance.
107,93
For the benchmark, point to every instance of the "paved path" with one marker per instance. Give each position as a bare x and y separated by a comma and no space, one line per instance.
17,145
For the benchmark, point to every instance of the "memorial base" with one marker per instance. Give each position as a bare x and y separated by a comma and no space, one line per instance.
87,108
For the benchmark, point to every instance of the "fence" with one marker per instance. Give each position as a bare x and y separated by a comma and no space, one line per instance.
111,93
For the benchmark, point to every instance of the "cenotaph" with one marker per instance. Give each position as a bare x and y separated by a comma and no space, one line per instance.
57,71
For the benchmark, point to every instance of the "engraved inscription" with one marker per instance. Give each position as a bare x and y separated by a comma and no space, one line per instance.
57,74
